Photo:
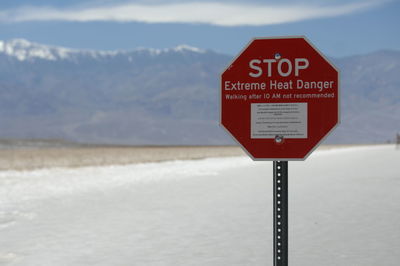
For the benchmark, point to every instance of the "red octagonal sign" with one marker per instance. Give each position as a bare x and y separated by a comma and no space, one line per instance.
280,98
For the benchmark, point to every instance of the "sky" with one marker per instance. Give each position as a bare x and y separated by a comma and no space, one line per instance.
337,27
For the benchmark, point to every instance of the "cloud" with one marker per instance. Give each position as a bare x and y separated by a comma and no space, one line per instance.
214,13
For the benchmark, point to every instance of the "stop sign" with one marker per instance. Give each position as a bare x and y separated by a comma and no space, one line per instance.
280,98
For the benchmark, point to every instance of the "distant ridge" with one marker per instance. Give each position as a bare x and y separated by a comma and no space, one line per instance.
163,96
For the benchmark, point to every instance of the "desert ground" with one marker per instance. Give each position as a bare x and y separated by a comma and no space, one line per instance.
28,158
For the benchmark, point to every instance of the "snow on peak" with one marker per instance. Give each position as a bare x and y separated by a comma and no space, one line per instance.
20,43
24,50
184,47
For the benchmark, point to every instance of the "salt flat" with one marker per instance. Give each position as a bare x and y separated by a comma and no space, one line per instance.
344,209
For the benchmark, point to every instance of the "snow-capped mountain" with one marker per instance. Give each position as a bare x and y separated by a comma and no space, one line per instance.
142,96
162,96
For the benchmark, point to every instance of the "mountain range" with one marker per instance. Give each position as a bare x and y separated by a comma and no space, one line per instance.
163,97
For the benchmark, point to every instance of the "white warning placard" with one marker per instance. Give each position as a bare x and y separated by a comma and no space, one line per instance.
269,120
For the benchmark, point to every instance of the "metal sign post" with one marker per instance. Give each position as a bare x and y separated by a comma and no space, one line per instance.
281,213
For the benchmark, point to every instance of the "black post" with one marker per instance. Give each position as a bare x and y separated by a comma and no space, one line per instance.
281,213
